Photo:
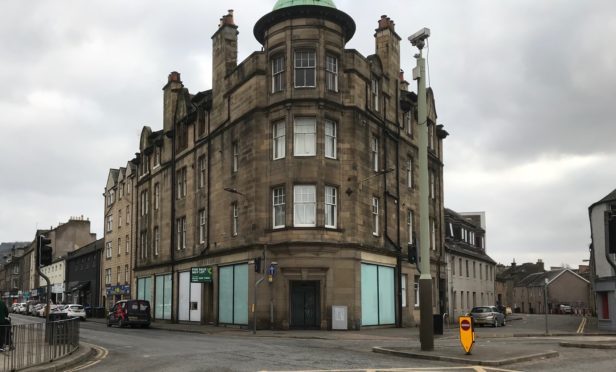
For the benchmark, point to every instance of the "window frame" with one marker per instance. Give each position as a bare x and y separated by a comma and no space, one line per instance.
235,219
374,153
202,226
235,158
278,203
330,139
309,138
278,75
156,240
331,73
375,216
304,204
279,139
331,207
304,69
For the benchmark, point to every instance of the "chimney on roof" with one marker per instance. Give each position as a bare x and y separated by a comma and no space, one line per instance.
540,265
227,19
513,264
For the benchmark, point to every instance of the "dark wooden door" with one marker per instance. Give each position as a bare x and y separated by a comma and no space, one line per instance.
305,304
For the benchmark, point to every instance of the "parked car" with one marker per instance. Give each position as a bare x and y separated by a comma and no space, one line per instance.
35,308
41,311
74,311
489,315
21,308
565,309
130,312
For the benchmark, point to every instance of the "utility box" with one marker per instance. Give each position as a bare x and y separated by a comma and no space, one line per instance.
339,318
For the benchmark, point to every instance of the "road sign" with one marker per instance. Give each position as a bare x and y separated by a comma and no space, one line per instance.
271,270
467,333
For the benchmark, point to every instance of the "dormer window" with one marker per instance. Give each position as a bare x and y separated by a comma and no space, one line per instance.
305,69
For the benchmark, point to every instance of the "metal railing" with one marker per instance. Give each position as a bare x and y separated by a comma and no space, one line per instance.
26,345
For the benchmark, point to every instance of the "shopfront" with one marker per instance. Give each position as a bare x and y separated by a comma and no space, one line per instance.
233,294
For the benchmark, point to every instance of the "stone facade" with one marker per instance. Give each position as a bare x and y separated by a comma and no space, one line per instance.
300,159
117,256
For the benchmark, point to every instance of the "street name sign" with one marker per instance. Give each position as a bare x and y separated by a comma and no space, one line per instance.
467,333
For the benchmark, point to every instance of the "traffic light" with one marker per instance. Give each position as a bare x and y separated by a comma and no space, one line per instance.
412,251
258,265
45,251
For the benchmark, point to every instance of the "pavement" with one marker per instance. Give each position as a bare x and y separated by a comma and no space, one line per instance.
446,347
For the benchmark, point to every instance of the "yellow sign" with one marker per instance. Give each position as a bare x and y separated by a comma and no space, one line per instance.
467,333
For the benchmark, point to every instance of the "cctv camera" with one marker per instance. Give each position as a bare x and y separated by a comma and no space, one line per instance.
419,36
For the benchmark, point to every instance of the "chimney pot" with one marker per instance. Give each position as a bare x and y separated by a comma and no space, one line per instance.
174,76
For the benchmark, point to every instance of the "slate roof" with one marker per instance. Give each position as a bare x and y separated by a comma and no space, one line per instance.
461,249
608,198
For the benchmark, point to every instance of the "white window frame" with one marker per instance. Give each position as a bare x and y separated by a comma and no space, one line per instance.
409,225
375,216
201,165
181,233
374,153
278,81
119,218
304,200
403,282
331,207
236,156
409,173
432,185
108,276
279,140
331,132
374,89
305,136
202,226
235,219
331,72
126,273
409,122
433,234
127,240
118,274
108,250
156,240
278,204
119,246
416,291
304,61
156,195
110,223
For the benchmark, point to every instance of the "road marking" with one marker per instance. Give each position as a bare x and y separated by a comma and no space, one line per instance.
458,368
582,325
101,353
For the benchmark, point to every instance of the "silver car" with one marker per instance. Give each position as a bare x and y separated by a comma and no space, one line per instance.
488,315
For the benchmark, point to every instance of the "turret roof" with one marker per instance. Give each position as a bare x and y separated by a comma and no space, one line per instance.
288,3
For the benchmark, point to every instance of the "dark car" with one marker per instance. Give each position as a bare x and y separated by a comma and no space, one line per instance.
130,313
489,315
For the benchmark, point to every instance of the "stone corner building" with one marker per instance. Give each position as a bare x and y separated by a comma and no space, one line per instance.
303,155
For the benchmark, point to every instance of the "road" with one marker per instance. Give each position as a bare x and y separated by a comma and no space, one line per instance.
161,350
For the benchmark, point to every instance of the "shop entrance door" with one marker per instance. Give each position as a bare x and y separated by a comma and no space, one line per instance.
305,304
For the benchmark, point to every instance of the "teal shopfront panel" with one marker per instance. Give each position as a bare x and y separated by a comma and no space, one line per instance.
377,295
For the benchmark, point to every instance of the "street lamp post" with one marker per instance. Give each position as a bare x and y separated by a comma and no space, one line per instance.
426,331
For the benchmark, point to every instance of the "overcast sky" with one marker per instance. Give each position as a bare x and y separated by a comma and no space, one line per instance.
525,88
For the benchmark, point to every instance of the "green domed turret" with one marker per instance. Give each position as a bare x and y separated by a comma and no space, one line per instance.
287,3
296,9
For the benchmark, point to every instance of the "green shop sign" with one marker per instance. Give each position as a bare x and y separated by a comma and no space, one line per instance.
200,274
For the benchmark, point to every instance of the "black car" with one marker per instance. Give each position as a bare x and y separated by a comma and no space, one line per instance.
130,313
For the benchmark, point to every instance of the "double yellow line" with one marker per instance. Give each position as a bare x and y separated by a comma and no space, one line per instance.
582,325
